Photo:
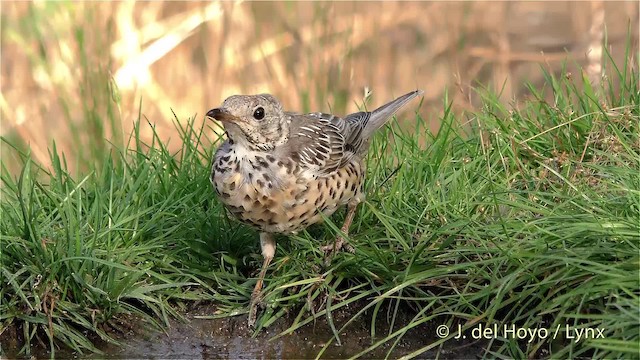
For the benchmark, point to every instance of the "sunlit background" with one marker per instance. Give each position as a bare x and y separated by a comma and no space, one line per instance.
78,73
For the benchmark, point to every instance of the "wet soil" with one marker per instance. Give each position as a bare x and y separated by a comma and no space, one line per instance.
230,338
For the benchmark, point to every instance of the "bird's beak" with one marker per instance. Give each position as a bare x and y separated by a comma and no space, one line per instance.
221,114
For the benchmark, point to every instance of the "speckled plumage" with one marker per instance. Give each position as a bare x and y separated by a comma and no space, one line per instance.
281,172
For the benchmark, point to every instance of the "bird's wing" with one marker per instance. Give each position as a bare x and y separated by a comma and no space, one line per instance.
317,142
358,128
323,143
354,125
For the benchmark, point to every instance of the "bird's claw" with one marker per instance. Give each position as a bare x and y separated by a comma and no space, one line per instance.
253,311
256,301
339,244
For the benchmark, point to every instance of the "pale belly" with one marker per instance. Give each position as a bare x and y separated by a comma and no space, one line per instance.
285,200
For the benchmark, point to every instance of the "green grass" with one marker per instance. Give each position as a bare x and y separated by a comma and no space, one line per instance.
527,217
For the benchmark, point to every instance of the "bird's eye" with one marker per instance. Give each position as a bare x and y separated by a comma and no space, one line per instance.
259,113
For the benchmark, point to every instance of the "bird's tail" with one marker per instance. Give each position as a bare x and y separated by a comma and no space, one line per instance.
380,115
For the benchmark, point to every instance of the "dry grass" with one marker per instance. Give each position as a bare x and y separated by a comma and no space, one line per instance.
188,56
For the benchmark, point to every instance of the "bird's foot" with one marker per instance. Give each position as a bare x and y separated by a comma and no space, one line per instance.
256,301
339,244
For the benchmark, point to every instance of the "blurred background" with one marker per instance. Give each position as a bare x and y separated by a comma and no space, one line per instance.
78,73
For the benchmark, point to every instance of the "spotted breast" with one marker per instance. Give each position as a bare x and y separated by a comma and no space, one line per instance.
276,195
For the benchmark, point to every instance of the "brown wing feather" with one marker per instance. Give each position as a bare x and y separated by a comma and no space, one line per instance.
323,143
317,143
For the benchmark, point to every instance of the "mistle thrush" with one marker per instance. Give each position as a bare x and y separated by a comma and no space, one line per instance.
280,171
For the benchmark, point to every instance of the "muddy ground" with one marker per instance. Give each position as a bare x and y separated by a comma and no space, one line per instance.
229,338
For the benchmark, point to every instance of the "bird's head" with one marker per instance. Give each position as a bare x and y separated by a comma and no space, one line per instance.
255,121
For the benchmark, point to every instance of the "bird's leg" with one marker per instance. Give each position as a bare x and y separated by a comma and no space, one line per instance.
340,241
268,245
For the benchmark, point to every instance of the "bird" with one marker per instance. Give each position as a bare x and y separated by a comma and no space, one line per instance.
280,171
